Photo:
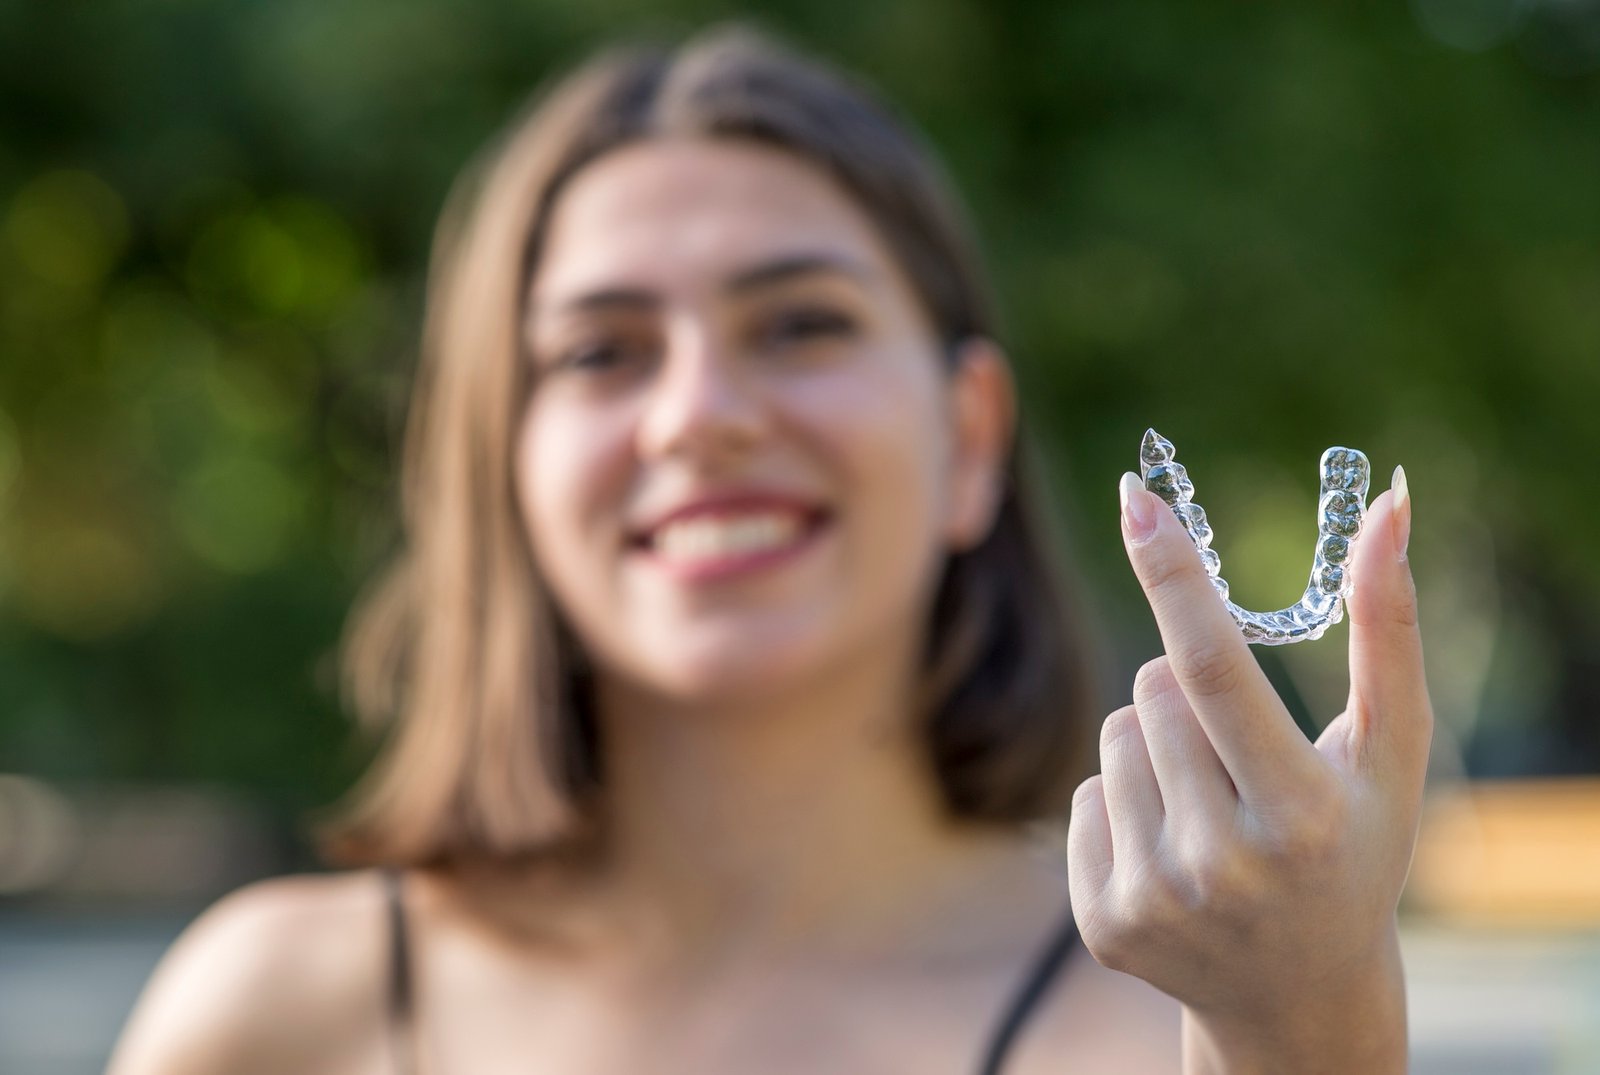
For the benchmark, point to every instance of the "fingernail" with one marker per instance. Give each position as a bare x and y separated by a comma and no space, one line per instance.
1402,511
1138,510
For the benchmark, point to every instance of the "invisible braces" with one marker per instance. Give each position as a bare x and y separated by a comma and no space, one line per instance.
1341,510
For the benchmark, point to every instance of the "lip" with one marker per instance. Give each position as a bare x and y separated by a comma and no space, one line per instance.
735,565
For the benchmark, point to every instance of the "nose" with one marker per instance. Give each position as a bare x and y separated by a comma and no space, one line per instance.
702,405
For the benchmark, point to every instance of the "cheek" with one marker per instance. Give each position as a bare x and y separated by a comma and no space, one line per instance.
570,466
886,432
891,428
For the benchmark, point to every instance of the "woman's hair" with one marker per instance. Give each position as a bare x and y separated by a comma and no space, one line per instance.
492,748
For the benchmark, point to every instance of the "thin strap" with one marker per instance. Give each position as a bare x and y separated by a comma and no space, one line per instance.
1041,975
401,1003
401,1000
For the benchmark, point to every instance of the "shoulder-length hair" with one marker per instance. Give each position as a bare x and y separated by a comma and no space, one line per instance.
491,749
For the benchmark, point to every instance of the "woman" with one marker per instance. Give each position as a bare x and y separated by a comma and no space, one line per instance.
727,670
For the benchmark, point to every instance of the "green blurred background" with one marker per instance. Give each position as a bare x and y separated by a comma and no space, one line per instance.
1262,230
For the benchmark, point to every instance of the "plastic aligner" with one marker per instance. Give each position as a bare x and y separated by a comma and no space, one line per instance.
1341,509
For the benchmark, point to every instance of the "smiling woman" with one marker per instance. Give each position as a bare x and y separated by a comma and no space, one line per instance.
685,278
725,670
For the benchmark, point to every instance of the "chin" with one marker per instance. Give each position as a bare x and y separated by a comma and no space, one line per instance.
739,673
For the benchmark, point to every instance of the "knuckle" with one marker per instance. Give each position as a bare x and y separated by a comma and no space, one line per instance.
1163,569
1088,800
1217,878
1107,937
1207,667
1217,883
1308,835
1165,897
1306,844
1153,679
1118,726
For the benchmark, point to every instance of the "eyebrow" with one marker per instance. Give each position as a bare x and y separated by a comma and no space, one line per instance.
764,274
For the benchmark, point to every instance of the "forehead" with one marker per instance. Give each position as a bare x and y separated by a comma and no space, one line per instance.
672,212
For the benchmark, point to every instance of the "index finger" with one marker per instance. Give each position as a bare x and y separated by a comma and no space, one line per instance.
1254,735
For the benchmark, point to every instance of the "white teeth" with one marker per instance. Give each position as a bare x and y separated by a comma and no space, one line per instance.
705,537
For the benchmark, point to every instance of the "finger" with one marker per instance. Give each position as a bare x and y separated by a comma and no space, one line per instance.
1089,855
1194,785
1262,749
1133,799
1393,719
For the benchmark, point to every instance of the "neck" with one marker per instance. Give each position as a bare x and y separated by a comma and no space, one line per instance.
807,820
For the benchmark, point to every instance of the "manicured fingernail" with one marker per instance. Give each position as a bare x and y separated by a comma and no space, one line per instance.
1138,509
1402,511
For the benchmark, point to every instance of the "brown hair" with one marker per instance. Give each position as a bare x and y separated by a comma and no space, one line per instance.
492,750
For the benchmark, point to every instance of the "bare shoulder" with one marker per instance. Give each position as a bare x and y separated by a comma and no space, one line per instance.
281,975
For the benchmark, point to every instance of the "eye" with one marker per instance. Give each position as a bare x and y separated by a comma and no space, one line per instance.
590,357
598,355
805,323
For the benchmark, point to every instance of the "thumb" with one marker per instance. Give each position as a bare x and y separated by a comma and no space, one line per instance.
1389,708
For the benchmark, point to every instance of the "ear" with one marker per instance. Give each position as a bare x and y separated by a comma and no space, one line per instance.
983,414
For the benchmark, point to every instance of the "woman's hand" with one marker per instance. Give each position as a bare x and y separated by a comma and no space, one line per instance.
1237,867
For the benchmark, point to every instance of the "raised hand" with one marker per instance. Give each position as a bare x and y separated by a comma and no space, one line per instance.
1222,857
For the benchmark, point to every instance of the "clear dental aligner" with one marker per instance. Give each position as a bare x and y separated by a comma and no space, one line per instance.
1341,509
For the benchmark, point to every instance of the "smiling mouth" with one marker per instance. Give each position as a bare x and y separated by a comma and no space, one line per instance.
716,545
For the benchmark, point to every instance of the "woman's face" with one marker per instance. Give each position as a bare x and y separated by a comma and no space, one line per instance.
742,461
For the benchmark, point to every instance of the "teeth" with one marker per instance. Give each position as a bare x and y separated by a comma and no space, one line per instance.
705,538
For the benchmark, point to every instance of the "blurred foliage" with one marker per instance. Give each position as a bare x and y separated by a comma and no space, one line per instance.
1262,230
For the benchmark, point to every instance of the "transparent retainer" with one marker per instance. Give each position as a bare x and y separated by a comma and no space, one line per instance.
1341,510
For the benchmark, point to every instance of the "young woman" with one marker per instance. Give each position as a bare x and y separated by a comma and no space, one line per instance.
727,672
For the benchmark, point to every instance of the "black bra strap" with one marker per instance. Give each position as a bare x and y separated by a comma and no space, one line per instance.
1033,989
401,1001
